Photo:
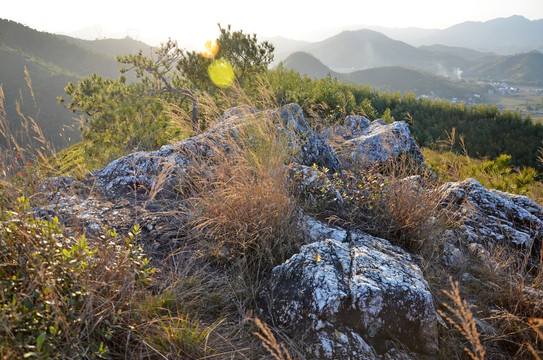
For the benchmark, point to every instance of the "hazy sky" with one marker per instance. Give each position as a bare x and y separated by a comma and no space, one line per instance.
192,22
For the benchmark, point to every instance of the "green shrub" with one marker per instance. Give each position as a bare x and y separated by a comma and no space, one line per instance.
62,297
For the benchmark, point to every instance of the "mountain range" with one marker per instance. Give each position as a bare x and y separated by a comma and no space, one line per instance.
369,57
503,36
387,78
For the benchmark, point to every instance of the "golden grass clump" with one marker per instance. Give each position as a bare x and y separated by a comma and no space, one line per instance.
244,208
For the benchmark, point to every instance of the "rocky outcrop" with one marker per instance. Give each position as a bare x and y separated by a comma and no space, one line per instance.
168,166
372,143
346,295
494,216
355,125
349,295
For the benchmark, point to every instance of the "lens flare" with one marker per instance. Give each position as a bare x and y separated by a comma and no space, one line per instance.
212,49
221,73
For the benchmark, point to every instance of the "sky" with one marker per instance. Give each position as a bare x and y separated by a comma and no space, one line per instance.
192,22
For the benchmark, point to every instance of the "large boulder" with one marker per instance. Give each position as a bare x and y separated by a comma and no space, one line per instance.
494,216
354,126
378,142
350,296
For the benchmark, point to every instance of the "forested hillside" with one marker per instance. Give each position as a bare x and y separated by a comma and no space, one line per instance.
52,61
525,68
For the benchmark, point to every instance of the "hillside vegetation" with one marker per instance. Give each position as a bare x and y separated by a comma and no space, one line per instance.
525,68
484,130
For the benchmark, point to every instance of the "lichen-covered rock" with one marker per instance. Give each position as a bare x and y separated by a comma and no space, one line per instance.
355,125
312,148
349,295
492,215
381,142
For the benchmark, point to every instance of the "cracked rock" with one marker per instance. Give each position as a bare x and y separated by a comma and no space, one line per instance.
348,295
494,216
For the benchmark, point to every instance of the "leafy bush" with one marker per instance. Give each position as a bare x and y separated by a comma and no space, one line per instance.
61,296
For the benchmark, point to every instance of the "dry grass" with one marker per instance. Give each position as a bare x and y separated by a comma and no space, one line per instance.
242,224
244,210
463,321
241,221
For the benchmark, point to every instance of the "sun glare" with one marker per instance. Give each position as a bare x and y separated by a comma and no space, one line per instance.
212,49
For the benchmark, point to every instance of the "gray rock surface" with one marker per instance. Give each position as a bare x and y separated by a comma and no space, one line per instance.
491,215
312,148
452,256
380,142
355,125
349,295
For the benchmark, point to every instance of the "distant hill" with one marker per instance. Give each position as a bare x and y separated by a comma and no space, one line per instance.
526,68
362,49
111,47
308,65
284,47
56,50
52,62
503,35
389,78
460,52
403,79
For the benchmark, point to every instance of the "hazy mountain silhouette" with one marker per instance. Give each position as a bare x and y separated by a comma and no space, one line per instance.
111,47
52,61
362,49
367,48
503,35
461,52
284,46
309,65
525,68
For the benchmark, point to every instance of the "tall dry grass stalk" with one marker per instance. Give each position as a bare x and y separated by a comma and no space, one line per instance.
277,350
24,149
463,321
